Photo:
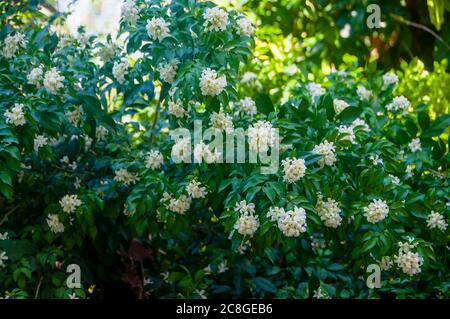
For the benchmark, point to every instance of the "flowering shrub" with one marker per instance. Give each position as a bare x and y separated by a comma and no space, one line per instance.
88,173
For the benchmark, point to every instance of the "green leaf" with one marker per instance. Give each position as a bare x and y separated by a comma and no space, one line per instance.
264,104
438,126
263,284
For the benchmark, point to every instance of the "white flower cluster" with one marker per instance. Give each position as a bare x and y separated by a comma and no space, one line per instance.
125,177
275,213
390,78
177,205
293,222
202,153
196,190
360,124
326,149
376,159
436,220
130,11
221,121
35,76
3,258
415,145
348,133
120,69
15,115
315,89
168,71
53,81
386,263
69,203
12,44
75,115
248,106
157,29
408,261
248,223
4,236
181,150
376,211
339,105
154,159
101,132
216,19
261,136
395,180
294,169
39,141
329,212
399,103
363,93
245,27
177,109
55,225
211,83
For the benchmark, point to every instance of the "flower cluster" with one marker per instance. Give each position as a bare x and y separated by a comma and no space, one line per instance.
348,133
181,150
53,81
248,223
130,11
294,169
15,115
329,212
315,89
326,149
399,103
177,205
216,19
363,93
376,211
211,83
221,121
123,176
408,261
248,106
415,145
261,136
436,220
293,222
154,159
55,225
168,71
157,29
202,153
390,78
39,141
196,190
245,27
12,44
339,105
69,203
177,109
120,69
35,76
75,115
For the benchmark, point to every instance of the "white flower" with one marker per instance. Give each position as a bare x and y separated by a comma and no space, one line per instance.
293,222
35,76
211,83
120,69
130,11
15,115
243,208
157,28
408,171
53,81
399,103
101,132
154,159
247,224
55,225
221,121
326,149
202,153
294,169
4,236
69,203
77,183
390,78
363,93
87,142
216,19
275,213
320,294
395,180
385,263
168,71
177,109
315,89
408,261
201,293
245,27
108,51
376,211
261,136
125,177
181,150
329,212
222,267
436,220
349,135
196,190
248,106
339,105
177,205
376,159
73,296
75,115
415,145
244,246
40,141
360,124
248,76
13,43
3,258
